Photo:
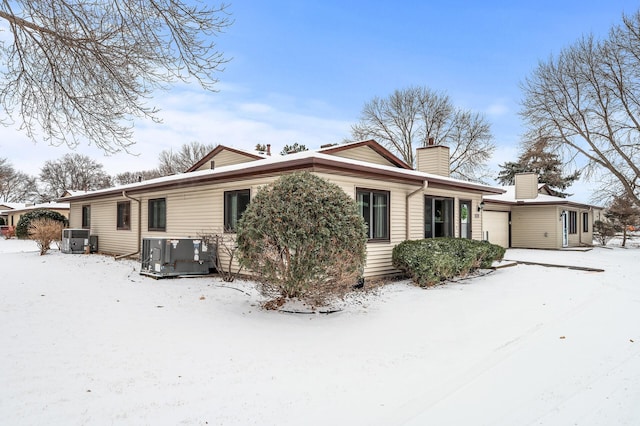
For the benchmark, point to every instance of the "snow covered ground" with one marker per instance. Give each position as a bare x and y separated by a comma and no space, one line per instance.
85,339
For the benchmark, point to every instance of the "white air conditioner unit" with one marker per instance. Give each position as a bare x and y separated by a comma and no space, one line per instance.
167,257
74,240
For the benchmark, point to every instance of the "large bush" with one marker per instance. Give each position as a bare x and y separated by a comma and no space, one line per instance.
433,260
603,231
304,238
44,231
22,228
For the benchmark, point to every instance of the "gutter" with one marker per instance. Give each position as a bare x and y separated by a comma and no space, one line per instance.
425,184
124,194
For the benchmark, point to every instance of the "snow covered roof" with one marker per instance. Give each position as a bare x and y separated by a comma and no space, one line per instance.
71,193
49,206
215,151
11,206
509,197
297,161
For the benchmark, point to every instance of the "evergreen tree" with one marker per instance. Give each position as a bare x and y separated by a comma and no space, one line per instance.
290,149
538,159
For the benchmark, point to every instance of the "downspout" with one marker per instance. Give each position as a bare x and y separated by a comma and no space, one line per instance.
424,186
124,194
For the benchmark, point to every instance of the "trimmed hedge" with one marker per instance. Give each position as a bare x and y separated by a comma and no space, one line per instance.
22,228
433,260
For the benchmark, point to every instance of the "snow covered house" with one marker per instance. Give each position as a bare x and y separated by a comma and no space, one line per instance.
13,215
397,202
5,209
529,215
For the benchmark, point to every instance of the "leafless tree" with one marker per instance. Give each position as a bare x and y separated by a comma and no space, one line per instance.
72,172
586,102
132,177
15,186
84,70
623,213
177,162
408,118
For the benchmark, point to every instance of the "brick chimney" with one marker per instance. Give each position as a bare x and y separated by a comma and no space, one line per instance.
268,149
433,159
526,186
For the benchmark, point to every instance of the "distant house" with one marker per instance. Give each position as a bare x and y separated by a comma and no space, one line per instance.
397,202
13,216
5,208
529,215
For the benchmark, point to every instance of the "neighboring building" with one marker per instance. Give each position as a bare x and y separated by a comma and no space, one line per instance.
397,202
528,215
5,208
13,216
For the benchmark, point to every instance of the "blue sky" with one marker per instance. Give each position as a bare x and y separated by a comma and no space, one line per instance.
301,72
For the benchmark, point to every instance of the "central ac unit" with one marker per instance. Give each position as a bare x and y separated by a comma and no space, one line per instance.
170,257
74,240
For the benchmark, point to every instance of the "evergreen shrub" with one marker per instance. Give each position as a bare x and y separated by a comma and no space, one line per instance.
22,228
304,238
433,260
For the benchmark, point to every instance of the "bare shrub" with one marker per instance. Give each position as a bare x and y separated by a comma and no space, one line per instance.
603,231
226,249
44,231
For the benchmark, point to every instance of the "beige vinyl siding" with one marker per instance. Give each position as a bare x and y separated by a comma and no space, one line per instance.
536,227
75,215
586,238
363,153
574,239
379,253
103,224
433,159
193,211
526,186
226,158
581,237
416,216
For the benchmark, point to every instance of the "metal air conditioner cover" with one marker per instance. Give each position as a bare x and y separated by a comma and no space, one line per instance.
170,257
74,240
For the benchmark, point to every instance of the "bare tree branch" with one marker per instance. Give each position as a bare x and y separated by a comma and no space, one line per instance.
83,71
408,118
585,102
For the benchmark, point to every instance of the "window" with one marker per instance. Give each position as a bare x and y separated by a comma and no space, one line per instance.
235,203
465,219
438,217
86,216
157,214
374,208
124,215
573,222
585,222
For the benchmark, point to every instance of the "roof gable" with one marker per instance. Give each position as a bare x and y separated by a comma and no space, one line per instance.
369,151
224,156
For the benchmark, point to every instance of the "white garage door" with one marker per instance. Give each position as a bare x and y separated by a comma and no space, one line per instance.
495,227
